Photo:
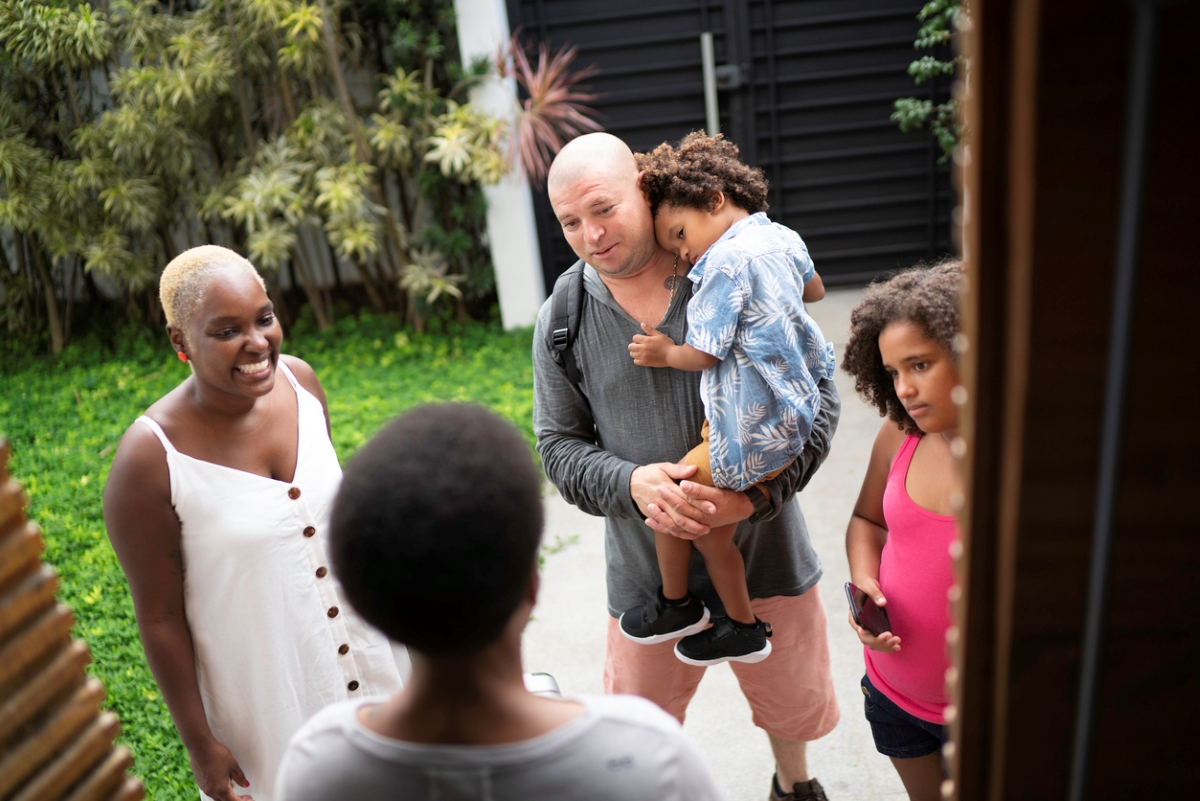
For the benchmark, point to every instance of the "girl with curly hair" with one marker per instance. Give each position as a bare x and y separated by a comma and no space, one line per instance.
761,355
901,354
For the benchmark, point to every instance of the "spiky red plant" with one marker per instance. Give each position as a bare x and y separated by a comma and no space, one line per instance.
554,112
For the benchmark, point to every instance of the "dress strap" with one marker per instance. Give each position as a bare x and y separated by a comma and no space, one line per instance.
904,456
158,432
291,378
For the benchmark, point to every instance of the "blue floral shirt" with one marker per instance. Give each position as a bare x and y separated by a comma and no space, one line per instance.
747,309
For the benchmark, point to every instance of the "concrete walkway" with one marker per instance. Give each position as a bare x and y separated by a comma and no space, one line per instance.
566,637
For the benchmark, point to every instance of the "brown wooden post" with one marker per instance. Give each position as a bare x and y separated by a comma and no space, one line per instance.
1046,108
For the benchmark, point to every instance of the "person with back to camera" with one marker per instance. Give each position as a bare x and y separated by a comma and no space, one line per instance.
435,534
761,357
901,354
217,506
611,445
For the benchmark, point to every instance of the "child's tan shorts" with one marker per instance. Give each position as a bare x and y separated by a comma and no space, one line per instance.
699,456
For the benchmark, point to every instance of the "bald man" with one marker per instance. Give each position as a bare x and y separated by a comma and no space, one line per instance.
611,447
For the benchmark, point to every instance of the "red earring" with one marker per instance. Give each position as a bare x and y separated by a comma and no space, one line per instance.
182,356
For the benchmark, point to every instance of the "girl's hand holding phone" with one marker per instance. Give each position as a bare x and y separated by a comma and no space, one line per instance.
885,641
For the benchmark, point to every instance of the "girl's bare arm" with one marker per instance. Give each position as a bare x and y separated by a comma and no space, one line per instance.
867,532
145,534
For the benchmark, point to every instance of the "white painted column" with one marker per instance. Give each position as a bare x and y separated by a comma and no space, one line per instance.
511,226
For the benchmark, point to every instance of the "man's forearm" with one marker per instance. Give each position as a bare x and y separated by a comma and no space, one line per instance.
816,449
586,476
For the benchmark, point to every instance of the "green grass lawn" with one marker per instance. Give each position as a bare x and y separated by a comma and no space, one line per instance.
64,417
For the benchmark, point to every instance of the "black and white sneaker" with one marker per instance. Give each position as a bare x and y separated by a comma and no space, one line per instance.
726,641
660,620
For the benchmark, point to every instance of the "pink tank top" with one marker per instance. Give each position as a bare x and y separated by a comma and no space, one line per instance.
915,574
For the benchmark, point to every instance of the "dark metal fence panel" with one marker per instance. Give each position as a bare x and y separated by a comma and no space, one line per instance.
806,92
866,197
650,87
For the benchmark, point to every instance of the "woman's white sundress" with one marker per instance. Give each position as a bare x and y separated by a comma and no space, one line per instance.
275,640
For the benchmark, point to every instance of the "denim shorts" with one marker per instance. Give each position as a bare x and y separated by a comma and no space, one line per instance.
898,733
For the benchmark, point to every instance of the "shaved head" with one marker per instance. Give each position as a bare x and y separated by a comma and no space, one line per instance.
593,186
593,155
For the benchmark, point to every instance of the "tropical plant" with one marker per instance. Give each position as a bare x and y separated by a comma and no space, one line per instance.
49,52
427,281
938,20
111,164
553,111
292,131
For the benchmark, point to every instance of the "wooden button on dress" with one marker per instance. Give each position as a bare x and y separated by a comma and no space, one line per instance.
309,531
343,649
321,572
294,493
333,610
352,686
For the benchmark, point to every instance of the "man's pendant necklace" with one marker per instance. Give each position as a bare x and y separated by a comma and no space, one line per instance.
671,283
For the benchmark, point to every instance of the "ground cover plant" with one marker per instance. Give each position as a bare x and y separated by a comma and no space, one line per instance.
63,417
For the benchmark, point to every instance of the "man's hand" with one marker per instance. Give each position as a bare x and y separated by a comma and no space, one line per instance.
650,350
647,479
690,510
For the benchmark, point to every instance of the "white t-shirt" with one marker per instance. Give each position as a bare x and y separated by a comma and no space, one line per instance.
621,747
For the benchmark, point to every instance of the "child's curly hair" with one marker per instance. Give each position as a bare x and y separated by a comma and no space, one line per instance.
925,295
690,175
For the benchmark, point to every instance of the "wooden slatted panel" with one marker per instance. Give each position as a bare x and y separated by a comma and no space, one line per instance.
55,742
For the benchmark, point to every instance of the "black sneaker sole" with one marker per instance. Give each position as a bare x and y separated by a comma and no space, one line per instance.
750,659
687,631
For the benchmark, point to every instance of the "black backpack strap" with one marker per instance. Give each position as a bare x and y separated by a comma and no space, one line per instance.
566,308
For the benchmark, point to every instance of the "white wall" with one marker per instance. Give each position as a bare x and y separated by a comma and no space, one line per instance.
512,231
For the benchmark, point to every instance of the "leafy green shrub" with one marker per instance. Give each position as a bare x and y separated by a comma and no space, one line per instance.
939,18
63,417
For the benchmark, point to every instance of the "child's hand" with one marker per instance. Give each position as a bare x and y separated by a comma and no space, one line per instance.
650,350
886,642
871,588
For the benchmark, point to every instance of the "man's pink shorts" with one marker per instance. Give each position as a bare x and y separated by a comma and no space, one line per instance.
790,692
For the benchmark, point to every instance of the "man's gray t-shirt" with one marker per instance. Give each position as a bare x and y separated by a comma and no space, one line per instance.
623,416
621,747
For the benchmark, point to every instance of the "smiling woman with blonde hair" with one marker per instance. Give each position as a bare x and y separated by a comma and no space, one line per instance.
217,506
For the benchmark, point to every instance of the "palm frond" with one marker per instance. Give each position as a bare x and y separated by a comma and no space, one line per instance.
554,112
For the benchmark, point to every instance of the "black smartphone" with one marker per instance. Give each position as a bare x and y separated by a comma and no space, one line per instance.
866,613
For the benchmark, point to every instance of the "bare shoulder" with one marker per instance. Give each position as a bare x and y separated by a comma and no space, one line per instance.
883,453
887,442
139,465
304,374
138,513
170,410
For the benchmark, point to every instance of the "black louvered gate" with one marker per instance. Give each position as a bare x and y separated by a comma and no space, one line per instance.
806,91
